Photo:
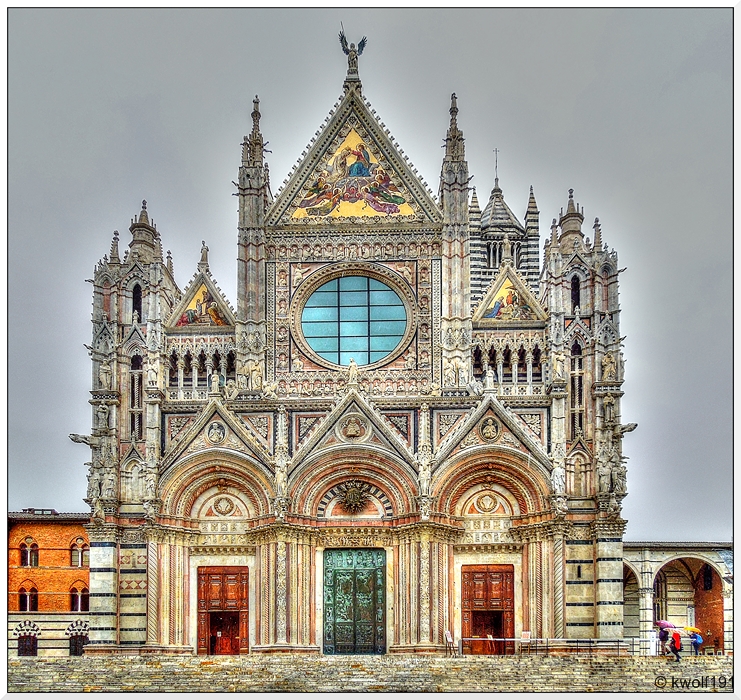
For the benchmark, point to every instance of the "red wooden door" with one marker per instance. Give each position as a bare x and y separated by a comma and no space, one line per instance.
223,588
487,587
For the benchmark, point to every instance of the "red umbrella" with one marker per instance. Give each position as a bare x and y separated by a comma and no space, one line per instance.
664,623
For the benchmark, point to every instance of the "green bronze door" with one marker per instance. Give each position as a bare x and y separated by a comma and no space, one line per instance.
354,601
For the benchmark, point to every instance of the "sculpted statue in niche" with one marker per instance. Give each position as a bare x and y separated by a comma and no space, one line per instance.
93,482
409,360
558,364
604,472
298,274
102,414
150,483
214,383
104,374
558,479
109,483
232,390
608,368
256,377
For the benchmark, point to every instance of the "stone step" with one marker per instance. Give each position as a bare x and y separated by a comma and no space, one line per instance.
389,673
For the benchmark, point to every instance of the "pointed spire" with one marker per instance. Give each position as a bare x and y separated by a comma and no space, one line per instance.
571,221
475,208
143,216
203,263
253,145
170,267
114,249
531,203
597,235
454,148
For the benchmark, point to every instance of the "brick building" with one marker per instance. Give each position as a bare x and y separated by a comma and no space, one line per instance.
48,582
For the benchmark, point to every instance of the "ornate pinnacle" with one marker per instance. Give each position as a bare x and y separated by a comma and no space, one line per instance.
454,148
254,146
114,248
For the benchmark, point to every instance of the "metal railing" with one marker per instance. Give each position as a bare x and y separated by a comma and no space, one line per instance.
509,646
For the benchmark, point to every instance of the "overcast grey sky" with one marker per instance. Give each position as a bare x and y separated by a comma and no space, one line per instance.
631,108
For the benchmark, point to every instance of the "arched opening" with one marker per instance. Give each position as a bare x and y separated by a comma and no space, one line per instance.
33,555
631,605
188,370
575,293
136,303
521,365
231,365
688,592
537,365
202,372
478,368
507,364
77,644
27,645
172,377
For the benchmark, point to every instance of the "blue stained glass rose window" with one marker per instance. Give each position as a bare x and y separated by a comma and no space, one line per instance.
354,317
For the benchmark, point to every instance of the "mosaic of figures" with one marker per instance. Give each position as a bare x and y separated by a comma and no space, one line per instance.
203,309
508,305
352,182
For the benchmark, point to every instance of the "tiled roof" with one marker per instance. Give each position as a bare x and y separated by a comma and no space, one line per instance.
22,515
498,215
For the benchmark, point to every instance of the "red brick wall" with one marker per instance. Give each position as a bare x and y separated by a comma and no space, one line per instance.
54,576
709,610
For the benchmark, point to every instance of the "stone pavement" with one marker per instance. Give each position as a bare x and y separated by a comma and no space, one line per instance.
389,673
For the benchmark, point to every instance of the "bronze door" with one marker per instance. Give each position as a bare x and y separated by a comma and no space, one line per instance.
488,608
354,601
223,610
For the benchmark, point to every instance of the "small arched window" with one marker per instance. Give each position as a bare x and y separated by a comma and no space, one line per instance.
74,599
33,600
24,554
33,555
79,553
576,404
136,302
707,578
575,293
85,600
22,599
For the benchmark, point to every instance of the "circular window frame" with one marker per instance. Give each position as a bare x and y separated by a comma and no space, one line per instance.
316,279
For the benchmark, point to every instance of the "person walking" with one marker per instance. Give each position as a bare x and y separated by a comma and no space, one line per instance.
675,645
663,639
697,640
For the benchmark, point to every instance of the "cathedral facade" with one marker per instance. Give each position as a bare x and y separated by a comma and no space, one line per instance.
404,426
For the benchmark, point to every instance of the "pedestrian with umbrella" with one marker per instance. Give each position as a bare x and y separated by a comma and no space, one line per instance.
664,628
696,638
675,645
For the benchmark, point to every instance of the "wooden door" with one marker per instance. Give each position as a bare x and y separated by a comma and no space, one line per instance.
223,588
487,587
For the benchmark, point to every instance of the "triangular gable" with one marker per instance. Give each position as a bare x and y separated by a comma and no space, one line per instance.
202,305
353,169
132,453
508,300
353,421
134,341
217,428
512,436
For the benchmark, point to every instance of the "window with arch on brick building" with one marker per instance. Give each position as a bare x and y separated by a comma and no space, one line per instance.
28,599
79,599
79,553
29,552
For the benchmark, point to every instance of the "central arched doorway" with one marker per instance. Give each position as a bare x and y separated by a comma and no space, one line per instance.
354,601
